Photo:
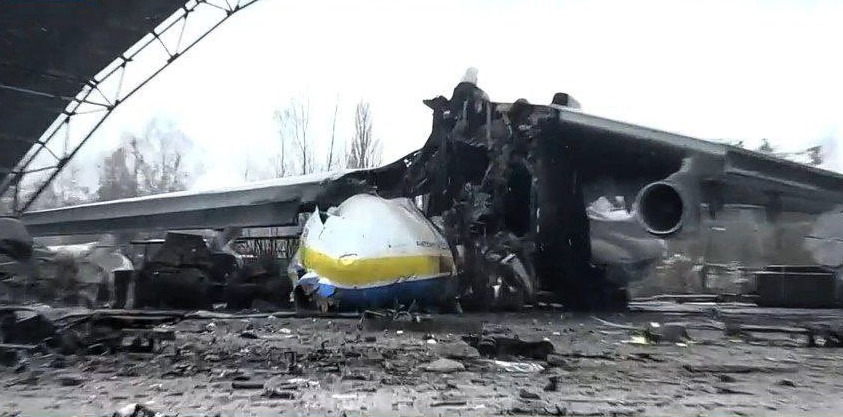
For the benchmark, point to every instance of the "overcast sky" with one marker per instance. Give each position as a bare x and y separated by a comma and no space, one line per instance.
737,70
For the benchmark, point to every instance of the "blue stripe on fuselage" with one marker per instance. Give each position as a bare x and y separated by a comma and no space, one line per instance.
425,292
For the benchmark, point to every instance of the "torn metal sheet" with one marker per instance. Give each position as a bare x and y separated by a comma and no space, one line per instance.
372,252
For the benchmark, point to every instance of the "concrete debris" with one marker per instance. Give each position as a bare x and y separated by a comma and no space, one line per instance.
736,368
449,402
730,391
247,384
71,380
786,383
519,367
456,350
501,346
553,384
528,395
25,325
443,365
395,374
558,361
135,410
666,333
653,332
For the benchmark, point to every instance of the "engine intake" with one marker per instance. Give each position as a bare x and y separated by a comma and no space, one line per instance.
661,208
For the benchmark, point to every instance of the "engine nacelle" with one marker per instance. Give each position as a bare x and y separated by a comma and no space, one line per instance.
663,207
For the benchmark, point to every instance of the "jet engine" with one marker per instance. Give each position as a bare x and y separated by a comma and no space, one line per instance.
661,208
665,207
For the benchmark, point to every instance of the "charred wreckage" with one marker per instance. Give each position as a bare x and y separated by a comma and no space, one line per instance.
505,204
507,193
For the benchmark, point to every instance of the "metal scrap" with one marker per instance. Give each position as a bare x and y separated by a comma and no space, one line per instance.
396,320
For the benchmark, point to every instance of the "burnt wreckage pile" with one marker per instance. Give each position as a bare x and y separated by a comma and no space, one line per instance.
504,185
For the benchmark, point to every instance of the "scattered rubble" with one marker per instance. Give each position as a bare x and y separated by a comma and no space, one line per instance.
553,384
333,365
71,380
519,367
528,395
502,346
135,410
443,365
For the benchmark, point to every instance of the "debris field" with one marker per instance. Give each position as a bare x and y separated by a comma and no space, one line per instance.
659,358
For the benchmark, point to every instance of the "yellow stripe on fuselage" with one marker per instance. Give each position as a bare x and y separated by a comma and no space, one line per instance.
353,272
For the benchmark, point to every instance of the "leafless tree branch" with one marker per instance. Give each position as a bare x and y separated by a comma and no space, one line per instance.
365,150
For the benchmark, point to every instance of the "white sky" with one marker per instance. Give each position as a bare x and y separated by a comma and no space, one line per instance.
712,69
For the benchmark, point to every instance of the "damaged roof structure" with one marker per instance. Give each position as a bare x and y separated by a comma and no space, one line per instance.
66,63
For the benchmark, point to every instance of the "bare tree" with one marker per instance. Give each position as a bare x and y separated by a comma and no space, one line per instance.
331,161
160,158
247,168
815,155
65,190
117,178
365,150
765,147
254,172
150,163
280,163
293,123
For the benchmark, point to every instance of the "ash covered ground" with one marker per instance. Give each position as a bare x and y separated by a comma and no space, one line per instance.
472,364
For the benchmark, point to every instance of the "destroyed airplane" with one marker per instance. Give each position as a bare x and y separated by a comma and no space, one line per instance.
532,200
372,252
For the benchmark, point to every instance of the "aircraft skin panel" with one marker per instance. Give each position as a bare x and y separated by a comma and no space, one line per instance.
352,272
644,134
254,215
275,202
427,292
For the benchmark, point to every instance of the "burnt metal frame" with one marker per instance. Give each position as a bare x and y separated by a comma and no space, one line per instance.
117,68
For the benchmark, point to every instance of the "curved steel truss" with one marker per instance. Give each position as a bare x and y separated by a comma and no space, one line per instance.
108,89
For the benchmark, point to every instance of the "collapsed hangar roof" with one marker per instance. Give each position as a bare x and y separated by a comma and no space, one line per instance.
50,49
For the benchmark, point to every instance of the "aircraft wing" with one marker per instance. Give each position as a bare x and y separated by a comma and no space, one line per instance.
660,172
274,202
626,151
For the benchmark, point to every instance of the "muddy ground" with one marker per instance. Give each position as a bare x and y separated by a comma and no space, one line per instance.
242,367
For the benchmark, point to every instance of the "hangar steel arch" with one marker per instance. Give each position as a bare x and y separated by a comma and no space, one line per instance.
63,71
